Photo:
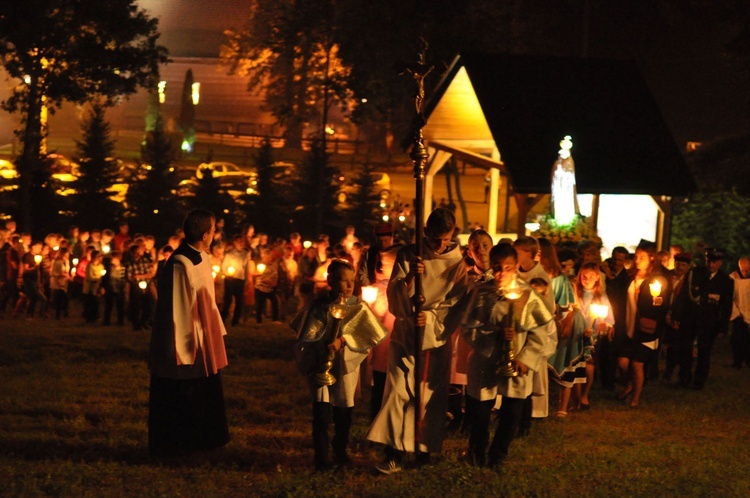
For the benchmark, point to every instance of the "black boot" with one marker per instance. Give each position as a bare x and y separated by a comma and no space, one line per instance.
321,421
342,422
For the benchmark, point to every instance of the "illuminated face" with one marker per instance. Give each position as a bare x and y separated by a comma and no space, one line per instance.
479,250
589,278
681,268
642,260
504,270
343,283
440,243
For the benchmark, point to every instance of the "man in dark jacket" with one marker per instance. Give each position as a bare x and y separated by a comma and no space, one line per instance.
714,310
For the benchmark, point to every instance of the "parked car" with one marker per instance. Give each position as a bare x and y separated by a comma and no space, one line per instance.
8,170
221,170
381,185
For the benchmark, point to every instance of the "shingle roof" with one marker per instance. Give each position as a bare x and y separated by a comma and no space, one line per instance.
621,144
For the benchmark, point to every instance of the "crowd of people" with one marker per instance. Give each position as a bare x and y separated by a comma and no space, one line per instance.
511,328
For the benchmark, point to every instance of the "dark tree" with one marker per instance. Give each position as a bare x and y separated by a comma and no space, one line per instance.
97,172
208,193
70,50
317,193
270,208
288,49
152,201
363,205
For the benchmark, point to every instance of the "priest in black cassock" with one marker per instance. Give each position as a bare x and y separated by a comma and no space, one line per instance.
186,401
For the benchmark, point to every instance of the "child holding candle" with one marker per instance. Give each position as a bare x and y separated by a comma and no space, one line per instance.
599,320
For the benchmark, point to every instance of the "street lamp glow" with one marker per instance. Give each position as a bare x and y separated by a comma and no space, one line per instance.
162,89
195,93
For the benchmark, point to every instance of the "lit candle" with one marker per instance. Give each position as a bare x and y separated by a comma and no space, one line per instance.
75,261
72,272
37,258
216,269
261,267
105,248
369,294
599,310
230,270
655,288
142,284
307,244
103,272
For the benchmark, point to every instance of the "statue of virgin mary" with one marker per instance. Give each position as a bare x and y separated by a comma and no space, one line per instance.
564,201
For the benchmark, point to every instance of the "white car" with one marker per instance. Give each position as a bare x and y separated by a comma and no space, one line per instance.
8,170
222,170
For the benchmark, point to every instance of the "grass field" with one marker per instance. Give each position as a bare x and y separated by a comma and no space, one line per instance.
73,408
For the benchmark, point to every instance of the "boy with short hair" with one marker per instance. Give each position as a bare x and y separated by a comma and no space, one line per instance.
335,334
444,284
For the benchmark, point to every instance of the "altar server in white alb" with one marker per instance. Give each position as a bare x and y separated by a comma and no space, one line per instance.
186,402
444,283
334,336
506,309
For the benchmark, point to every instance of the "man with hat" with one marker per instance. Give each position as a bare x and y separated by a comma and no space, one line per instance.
679,332
714,310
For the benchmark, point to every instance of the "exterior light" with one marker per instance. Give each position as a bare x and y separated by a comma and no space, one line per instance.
195,93
162,89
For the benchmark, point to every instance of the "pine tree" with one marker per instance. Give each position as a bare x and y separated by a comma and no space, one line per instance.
152,201
317,193
363,206
97,172
270,207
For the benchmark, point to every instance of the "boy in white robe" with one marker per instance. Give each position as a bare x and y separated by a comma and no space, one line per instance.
335,334
444,283
489,320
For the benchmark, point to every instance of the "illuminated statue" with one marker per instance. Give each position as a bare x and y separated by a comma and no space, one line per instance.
564,202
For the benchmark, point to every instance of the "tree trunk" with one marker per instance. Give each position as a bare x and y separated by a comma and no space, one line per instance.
32,139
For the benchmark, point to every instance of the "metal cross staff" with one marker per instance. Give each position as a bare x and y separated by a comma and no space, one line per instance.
419,156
